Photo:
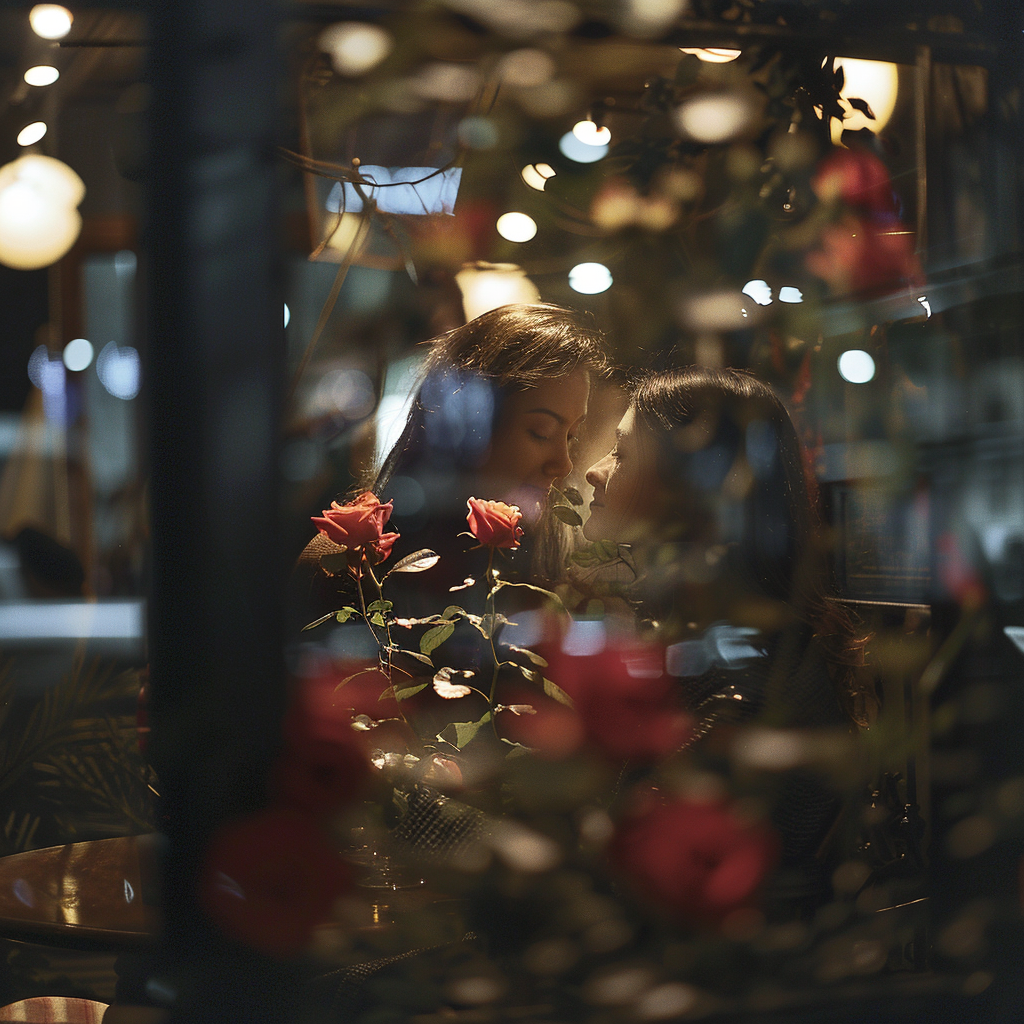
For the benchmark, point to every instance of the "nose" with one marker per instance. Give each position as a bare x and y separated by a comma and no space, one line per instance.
597,475
560,464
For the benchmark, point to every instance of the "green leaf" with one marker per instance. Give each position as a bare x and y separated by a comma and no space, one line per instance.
380,606
408,691
335,563
436,636
419,657
531,674
488,625
458,734
574,497
317,622
361,672
532,655
418,561
552,597
516,749
567,514
453,611
377,619
344,614
554,691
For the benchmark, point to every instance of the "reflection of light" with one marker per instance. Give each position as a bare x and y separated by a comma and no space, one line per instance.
446,82
119,371
478,132
713,117
78,354
125,262
355,47
590,278
759,291
712,54
50,21
856,366
287,314
48,375
516,227
580,152
486,286
526,68
31,133
717,311
590,135
873,81
536,175
923,299
23,892
42,74
345,391
408,190
790,294
584,638
71,620
129,892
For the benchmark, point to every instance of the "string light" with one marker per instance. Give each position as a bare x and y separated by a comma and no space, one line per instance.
516,227
42,74
712,54
537,175
31,133
50,21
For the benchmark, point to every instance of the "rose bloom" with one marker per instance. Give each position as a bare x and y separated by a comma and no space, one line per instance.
269,879
323,765
625,700
699,861
865,257
494,524
356,523
857,178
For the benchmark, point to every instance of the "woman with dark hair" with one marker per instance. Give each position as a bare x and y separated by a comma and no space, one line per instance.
496,416
705,492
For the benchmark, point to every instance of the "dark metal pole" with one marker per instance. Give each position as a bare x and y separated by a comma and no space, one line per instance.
216,363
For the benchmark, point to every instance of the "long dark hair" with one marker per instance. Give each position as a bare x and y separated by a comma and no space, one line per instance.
725,433
469,374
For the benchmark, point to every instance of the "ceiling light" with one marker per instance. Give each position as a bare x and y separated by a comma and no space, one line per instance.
536,175
590,134
856,366
50,21
516,227
31,133
42,74
590,278
580,152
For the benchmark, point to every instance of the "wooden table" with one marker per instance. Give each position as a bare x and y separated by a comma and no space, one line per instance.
96,895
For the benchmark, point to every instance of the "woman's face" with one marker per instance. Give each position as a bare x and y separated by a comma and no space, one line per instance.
532,439
629,497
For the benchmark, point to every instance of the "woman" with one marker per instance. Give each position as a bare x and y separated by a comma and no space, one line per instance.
500,405
706,494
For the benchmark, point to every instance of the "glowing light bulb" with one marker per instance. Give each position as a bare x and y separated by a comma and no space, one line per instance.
856,366
590,135
50,21
516,227
355,46
31,133
536,175
590,278
790,294
712,54
42,74
78,354
876,82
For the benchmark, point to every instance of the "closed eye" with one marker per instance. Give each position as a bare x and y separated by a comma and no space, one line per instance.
537,436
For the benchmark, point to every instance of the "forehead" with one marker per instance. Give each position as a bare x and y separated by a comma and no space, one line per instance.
564,396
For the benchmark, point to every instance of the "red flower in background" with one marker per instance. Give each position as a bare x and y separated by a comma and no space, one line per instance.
358,522
857,178
269,879
697,860
494,524
624,702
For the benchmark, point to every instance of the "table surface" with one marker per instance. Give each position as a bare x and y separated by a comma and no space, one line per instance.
99,894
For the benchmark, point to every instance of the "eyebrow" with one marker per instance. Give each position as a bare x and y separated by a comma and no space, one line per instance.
548,412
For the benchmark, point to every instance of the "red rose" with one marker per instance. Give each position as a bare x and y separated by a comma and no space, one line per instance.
857,178
356,523
698,860
382,548
625,699
864,257
269,879
324,764
494,524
